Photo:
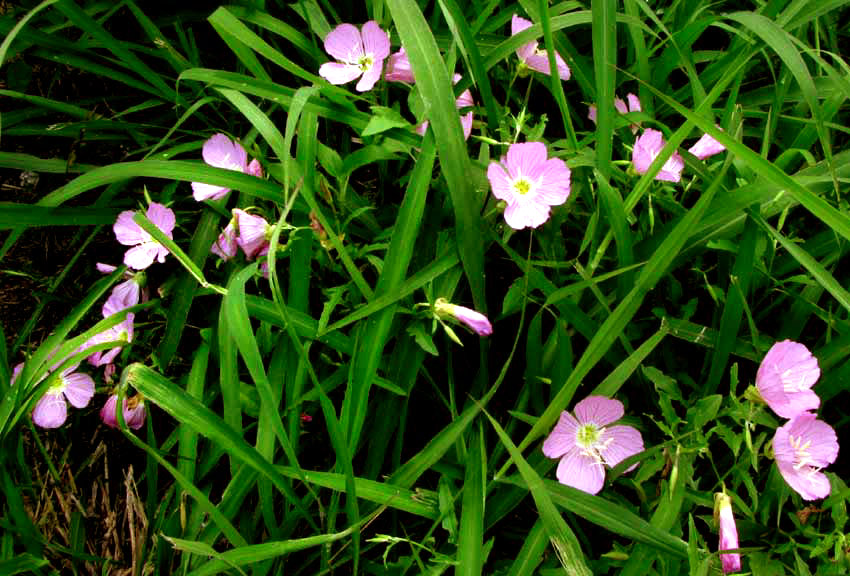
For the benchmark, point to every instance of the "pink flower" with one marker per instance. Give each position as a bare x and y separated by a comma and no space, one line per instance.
620,105
533,57
802,447
463,101
585,443
785,378
476,321
398,68
121,331
133,411
529,183
123,295
705,147
51,410
254,168
219,151
359,55
731,562
226,245
647,148
144,248
253,233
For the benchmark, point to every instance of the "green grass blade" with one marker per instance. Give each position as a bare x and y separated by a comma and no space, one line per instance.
434,84
14,215
470,544
615,380
554,78
13,33
531,554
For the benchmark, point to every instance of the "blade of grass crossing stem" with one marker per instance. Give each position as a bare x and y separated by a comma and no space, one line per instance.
616,323
617,377
471,539
90,26
434,84
469,48
275,140
190,411
554,78
7,41
730,319
187,446
562,537
531,554
185,289
819,207
373,332
815,268
239,325
184,259
779,40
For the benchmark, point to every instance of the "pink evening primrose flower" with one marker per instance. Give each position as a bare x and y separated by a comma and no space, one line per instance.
463,101
705,147
621,107
585,443
398,68
123,295
728,531
51,410
360,54
253,233
531,56
219,151
476,321
225,247
529,183
647,147
133,409
144,248
802,447
121,331
785,378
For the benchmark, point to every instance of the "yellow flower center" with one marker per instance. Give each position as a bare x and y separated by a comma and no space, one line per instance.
365,62
522,187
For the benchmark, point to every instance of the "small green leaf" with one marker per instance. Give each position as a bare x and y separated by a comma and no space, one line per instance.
384,119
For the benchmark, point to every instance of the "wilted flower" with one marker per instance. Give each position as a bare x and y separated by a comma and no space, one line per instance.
476,321
253,233
133,410
51,410
357,54
802,447
785,378
705,147
121,331
622,108
144,248
585,443
531,56
463,101
398,68
226,245
731,562
647,147
529,183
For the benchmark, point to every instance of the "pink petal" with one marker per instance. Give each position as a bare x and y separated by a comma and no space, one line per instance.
553,185
344,43
599,410
634,102
672,169
785,377
79,389
562,439
705,147
202,191
124,295
466,125
475,320
646,148
252,232
370,76
398,68
221,152
225,246
820,447
162,217
51,411
16,371
518,24
500,182
107,413
809,484
337,73
142,256
135,417
619,443
127,231
620,106
526,214
105,268
255,169
580,471
728,533
591,113
524,159
375,41
540,62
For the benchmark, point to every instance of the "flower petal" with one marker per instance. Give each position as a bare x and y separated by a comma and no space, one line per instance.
398,68
202,191
141,256
580,471
51,411
344,43
526,214
618,443
127,232
524,159
221,152
163,217
599,410
79,389
337,73
375,40
553,185
500,182
370,76
562,439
